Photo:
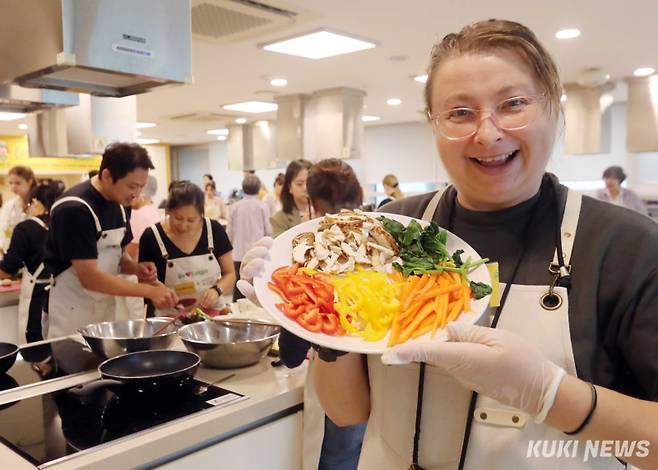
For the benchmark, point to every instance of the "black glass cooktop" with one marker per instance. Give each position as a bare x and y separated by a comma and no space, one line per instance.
36,363
54,425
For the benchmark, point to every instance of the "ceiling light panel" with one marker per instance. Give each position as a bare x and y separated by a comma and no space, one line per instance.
643,72
568,33
218,132
11,116
145,125
369,118
421,78
319,45
253,107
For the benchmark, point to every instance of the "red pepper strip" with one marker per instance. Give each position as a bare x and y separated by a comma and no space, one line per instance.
307,290
310,320
292,311
314,281
329,324
278,290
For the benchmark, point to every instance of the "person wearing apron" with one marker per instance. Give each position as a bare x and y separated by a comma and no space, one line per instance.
85,248
493,98
21,180
26,252
191,253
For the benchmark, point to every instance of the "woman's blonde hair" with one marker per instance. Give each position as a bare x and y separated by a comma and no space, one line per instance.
392,182
491,35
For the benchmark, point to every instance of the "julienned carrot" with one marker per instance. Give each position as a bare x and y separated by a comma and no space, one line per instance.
466,295
427,309
441,313
455,310
437,291
414,289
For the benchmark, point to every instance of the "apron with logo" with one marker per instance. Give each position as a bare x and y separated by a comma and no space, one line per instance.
71,306
189,276
28,282
500,436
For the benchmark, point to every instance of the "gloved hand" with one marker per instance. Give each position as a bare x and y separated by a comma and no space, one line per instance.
292,349
253,264
495,363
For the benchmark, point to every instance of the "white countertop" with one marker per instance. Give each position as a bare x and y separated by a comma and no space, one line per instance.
271,391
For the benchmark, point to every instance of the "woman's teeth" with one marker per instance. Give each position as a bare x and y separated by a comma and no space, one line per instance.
498,160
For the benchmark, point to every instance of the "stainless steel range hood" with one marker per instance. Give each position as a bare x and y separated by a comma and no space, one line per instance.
108,48
17,99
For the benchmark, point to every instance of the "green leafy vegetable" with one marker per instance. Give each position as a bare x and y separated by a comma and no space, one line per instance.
480,289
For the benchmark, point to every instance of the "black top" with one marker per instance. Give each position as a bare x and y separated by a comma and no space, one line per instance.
384,201
26,248
149,250
73,234
613,298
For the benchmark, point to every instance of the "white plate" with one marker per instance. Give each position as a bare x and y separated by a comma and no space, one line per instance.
281,255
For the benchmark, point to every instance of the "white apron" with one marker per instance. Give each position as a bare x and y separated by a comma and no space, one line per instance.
71,306
500,436
28,281
189,276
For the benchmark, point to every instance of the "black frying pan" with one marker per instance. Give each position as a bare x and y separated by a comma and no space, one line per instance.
8,353
144,372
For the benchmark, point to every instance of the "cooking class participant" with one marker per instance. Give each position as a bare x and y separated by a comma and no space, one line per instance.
215,207
21,181
273,199
85,248
392,189
295,206
332,185
26,252
191,253
493,99
613,177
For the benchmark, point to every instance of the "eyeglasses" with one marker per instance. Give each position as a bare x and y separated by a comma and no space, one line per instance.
510,114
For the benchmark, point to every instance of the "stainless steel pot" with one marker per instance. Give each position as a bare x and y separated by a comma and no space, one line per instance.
228,344
111,339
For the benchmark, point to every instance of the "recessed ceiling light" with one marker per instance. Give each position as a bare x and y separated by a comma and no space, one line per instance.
253,107
568,33
145,125
563,98
222,137
278,82
421,78
367,118
147,141
319,45
393,101
218,132
11,116
138,133
643,72
22,127
240,121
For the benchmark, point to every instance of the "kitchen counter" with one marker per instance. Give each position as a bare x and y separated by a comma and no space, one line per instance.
275,395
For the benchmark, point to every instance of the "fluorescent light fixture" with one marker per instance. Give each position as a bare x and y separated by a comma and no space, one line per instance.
278,82
240,121
22,127
568,33
319,45
253,107
11,116
563,98
394,101
367,118
643,72
421,78
147,141
262,123
145,125
222,137
218,132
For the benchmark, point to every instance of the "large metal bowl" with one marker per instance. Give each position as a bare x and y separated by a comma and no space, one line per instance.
111,339
228,344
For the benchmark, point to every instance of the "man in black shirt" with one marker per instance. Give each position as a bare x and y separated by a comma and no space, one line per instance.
85,249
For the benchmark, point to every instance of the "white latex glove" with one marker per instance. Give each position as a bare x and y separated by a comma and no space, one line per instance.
253,264
496,363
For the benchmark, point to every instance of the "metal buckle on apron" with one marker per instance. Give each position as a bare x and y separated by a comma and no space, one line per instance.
552,300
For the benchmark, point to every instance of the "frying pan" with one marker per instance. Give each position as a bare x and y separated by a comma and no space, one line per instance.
143,372
8,353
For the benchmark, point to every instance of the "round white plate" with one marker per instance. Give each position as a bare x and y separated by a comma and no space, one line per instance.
281,255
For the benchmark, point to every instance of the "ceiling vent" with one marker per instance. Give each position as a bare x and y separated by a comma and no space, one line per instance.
231,20
201,117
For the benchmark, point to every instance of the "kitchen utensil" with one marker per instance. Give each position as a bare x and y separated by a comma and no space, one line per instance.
111,339
229,343
8,353
204,388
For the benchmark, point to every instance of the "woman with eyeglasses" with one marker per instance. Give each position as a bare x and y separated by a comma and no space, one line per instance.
570,354
26,252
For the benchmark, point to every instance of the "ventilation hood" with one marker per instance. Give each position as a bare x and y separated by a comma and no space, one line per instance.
110,48
17,99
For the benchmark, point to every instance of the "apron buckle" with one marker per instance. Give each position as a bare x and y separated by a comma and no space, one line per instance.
551,300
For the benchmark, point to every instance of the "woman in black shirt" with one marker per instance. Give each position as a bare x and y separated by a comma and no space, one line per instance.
26,251
192,253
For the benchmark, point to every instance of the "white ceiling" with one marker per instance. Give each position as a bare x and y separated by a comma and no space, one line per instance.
617,36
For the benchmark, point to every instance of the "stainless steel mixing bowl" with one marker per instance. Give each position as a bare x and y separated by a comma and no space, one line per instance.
228,344
111,339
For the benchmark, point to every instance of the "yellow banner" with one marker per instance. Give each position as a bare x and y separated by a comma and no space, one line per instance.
14,151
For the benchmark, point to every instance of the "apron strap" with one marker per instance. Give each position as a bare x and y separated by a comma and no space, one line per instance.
211,239
569,225
37,273
99,229
39,221
428,214
158,239
123,213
